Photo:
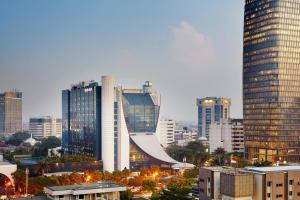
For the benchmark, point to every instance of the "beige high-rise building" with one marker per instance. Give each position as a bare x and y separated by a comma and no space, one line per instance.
10,112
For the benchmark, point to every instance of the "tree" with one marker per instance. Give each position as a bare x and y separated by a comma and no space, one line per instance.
50,142
17,138
20,180
219,154
264,163
43,167
136,181
47,143
195,152
76,178
191,173
178,189
126,195
149,185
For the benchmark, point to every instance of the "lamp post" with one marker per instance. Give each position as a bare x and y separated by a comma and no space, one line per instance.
26,189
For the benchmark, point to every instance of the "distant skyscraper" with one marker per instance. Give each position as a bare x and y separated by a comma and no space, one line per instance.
43,127
10,112
115,125
271,79
211,110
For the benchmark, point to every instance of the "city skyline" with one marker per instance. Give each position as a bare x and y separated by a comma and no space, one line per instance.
75,42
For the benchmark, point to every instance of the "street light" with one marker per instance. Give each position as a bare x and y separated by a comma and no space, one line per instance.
26,172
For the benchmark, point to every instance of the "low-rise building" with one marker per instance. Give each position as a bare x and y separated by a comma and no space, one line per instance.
183,136
250,183
85,191
43,127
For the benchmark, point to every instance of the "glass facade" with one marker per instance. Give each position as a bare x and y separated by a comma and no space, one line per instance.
82,120
140,159
271,79
141,113
211,110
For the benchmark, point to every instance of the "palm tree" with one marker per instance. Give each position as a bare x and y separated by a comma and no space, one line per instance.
220,154
43,167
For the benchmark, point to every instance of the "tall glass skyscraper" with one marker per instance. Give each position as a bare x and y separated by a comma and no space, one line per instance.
271,79
81,122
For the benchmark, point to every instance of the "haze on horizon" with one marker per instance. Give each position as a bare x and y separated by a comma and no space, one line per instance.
187,49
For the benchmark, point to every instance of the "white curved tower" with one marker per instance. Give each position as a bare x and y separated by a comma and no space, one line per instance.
123,135
107,119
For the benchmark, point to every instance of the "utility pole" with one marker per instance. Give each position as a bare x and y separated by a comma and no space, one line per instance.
26,189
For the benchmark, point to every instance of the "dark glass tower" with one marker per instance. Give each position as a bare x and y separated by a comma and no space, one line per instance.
271,80
81,120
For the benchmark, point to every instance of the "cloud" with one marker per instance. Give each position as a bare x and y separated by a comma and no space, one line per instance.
190,47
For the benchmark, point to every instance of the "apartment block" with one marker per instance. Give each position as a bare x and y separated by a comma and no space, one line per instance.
250,183
227,134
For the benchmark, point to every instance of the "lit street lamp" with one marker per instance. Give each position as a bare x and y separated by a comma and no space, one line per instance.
26,172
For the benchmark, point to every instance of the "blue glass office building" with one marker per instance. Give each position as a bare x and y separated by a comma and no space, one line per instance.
211,110
81,120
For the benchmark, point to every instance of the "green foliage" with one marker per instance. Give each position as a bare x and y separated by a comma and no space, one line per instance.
126,195
191,173
50,142
264,163
17,138
195,152
155,196
136,181
178,189
149,185
219,156
47,143
20,180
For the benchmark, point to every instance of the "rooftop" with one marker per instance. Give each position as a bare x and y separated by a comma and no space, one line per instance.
273,169
219,168
85,186
33,198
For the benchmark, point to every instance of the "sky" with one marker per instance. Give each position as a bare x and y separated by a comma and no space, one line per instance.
187,49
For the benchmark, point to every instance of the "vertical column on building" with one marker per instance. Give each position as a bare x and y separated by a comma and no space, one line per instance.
123,135
107,117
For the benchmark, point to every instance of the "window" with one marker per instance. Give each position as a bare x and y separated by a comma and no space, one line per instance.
290,193
81,196
269,195
279,185
269,183
278,195
291,182
201,180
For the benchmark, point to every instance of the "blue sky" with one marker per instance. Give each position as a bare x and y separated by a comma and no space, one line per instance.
188,49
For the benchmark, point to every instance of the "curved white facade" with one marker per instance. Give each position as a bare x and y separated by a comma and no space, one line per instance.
107,119
123,135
